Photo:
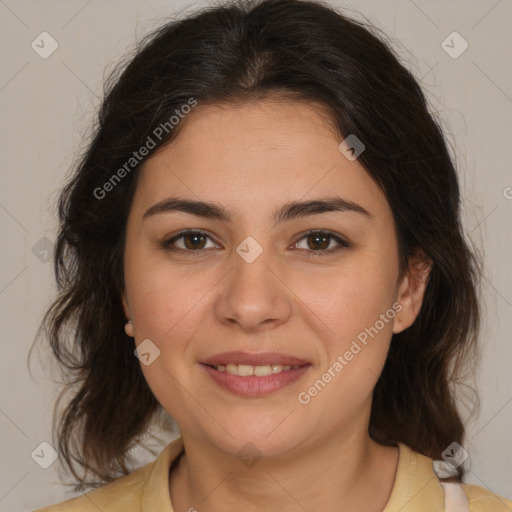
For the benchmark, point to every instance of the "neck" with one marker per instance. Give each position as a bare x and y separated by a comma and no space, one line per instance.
318,475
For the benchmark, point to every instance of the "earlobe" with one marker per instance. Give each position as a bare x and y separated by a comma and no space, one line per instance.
128,328
411,291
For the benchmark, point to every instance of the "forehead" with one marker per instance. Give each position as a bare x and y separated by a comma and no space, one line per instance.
272,124
257,154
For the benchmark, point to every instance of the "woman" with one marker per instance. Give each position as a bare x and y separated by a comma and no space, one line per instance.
269,215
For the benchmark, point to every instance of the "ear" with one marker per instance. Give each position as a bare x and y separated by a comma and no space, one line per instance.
411,290
128,328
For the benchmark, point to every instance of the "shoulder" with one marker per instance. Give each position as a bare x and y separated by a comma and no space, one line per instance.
119,495
146,488
420,486
483,500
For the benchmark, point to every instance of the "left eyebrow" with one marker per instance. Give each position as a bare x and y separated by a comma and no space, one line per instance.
298,209
287,212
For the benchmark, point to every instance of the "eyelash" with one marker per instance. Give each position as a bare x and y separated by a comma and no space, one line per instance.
343,244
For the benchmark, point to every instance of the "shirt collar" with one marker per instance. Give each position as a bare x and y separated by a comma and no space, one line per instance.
155,492
416,486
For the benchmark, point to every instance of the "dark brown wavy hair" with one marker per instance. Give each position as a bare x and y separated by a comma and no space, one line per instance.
245,51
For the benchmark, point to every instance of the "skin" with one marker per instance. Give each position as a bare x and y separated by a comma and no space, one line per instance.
253,158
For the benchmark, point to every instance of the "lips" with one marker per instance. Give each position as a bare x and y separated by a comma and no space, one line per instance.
246,358
254,375
254,386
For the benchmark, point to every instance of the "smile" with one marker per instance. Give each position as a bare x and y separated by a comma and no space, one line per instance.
246,370
254,381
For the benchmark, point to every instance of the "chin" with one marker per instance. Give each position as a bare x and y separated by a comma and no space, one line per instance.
264,438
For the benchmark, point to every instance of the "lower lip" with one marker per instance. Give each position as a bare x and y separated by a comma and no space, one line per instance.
254,386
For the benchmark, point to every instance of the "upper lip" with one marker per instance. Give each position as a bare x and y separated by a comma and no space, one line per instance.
259,359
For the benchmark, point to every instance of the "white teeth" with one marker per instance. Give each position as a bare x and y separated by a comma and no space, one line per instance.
245,370
263,371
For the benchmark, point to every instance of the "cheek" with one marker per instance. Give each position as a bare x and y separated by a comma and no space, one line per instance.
166,306
164,295
350,299
359,314
357,309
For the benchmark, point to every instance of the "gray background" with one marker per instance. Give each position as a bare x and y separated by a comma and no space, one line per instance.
47,106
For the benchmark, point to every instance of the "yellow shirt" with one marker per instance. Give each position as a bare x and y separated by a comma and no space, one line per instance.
416,489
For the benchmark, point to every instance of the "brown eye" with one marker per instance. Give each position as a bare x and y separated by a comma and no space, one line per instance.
188,241
319,242
194,241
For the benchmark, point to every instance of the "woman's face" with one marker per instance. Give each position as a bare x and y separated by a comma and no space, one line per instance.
255,281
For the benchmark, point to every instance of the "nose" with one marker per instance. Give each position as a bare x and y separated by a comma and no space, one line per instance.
254,294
